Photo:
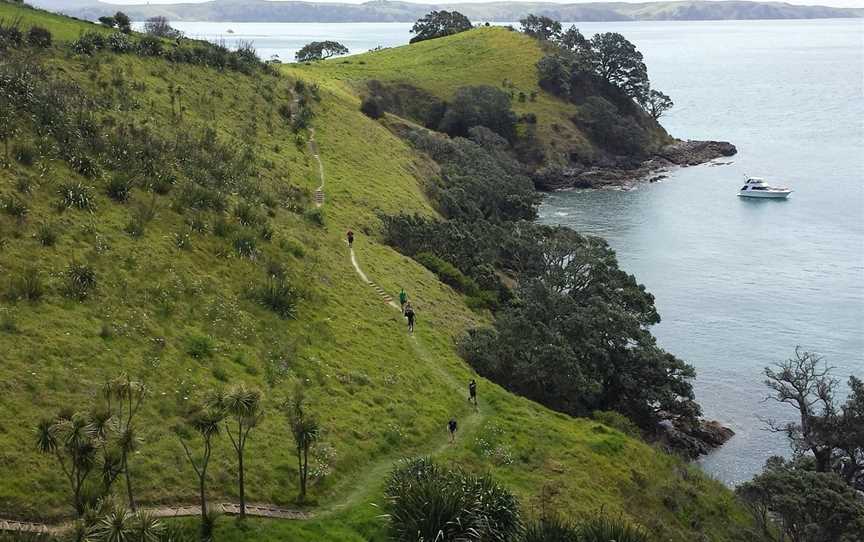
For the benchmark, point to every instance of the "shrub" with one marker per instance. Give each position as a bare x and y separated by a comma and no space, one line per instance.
149,46
24,153
199,198
182,240
278,295
246,214
119,42
550,529
372,107
119,188
80,279
199,346
38,36
8,324
10,35
315,216
27,286
222,228
292,247
197,223
88,43
604,528
245,245
426,502
46,234
15,208
77,195
142,214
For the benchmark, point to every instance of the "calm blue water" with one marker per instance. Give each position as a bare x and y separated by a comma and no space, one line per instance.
738,283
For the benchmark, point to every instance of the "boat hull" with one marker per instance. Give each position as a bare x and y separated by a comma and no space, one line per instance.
778,194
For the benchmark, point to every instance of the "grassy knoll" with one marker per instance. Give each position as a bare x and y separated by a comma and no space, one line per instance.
179,314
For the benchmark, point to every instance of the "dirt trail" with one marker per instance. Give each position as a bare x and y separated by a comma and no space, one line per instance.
361,486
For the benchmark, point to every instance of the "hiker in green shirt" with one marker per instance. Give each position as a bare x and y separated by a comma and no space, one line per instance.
403,298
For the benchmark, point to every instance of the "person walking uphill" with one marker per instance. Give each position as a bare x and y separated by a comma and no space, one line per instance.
451,427
403,298
350,236
409,314
472,392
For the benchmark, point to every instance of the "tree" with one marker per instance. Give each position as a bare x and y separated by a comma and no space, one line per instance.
159,27
578,338
438,24
833,434
76,442
804,382
242,408
656,103
115,524
554,74
578,48
108,21
205,422
123,22
482,105
39,36
542,27
124,397
320,50
305,429
806,506
617,61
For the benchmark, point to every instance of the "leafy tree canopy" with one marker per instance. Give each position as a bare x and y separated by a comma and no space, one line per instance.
482,105
159,27
656,103
319,50
541,27
617,61
438,24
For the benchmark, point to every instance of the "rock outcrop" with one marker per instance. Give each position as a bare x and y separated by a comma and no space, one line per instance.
624,172
694,441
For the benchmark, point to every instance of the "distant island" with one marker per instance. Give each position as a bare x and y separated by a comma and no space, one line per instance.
390,11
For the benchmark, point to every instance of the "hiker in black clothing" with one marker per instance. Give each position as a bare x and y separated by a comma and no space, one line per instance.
350,238
472,392
409,314
451,426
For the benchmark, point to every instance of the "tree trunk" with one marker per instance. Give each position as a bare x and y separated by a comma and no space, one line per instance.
128,482
823,460
300,472
242,486
305,469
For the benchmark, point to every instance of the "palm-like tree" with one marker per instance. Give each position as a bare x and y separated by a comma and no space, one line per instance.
305,430
124,397
119,524
204,422
73,441
243,410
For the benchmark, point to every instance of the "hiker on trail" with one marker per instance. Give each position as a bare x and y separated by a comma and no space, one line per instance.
409,314
451,426
350,239
472,392
403,298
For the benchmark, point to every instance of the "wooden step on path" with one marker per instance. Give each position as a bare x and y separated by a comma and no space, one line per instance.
319,197
9,525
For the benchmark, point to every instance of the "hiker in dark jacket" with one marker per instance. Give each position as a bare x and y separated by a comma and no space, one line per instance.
350,236
409,314
451,427
472,391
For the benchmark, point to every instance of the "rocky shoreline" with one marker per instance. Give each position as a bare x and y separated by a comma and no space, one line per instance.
693,441
625,172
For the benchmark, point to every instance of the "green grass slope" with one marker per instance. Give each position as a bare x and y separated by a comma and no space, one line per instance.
493,56
182,319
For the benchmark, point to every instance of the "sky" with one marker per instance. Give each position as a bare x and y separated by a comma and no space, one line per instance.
834,3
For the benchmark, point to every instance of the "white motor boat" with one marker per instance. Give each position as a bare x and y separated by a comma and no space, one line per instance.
756,187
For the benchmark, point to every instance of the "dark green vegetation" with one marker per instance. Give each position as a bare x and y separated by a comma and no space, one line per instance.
320,50
437,24
816,495
174,195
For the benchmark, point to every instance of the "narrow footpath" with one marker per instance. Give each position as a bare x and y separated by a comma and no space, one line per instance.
360,486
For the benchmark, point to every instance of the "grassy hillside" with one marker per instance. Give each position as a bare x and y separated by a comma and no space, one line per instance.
492,56
174,301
